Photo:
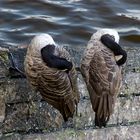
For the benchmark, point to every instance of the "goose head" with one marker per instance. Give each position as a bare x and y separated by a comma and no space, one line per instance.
110,39
40,41
112,33
44,46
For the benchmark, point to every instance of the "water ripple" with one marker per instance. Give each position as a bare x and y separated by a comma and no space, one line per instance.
68,21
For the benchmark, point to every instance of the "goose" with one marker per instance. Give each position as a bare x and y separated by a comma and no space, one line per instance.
50,70
101,67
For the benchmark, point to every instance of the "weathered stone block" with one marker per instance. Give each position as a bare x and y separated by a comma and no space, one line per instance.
16,118
18,90
31,117
2,109
131,84
3,63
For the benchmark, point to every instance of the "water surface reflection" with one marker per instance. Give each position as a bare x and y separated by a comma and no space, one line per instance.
68,21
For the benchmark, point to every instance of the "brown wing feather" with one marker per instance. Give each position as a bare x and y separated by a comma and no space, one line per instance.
104,84
72,75
57,87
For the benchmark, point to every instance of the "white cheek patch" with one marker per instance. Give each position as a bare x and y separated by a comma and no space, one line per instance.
118,57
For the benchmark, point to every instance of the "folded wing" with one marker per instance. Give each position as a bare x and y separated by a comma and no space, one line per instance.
103,85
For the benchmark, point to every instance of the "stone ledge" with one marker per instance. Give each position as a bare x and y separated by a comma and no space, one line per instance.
111,133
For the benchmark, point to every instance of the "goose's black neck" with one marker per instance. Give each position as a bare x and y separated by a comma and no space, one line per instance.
53,61
116,48
123,59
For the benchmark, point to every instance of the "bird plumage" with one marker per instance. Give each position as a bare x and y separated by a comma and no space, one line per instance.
53,74
102,74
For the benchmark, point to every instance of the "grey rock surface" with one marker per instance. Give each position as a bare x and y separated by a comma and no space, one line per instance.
24,112
110,133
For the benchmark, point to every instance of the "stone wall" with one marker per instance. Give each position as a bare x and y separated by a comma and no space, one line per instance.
24,115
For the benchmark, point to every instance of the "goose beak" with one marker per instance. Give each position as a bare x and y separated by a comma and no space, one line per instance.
120,54
118,57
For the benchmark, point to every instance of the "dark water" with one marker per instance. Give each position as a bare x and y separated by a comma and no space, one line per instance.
68,21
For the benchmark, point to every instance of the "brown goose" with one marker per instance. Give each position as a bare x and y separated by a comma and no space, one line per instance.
101,69
51,71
